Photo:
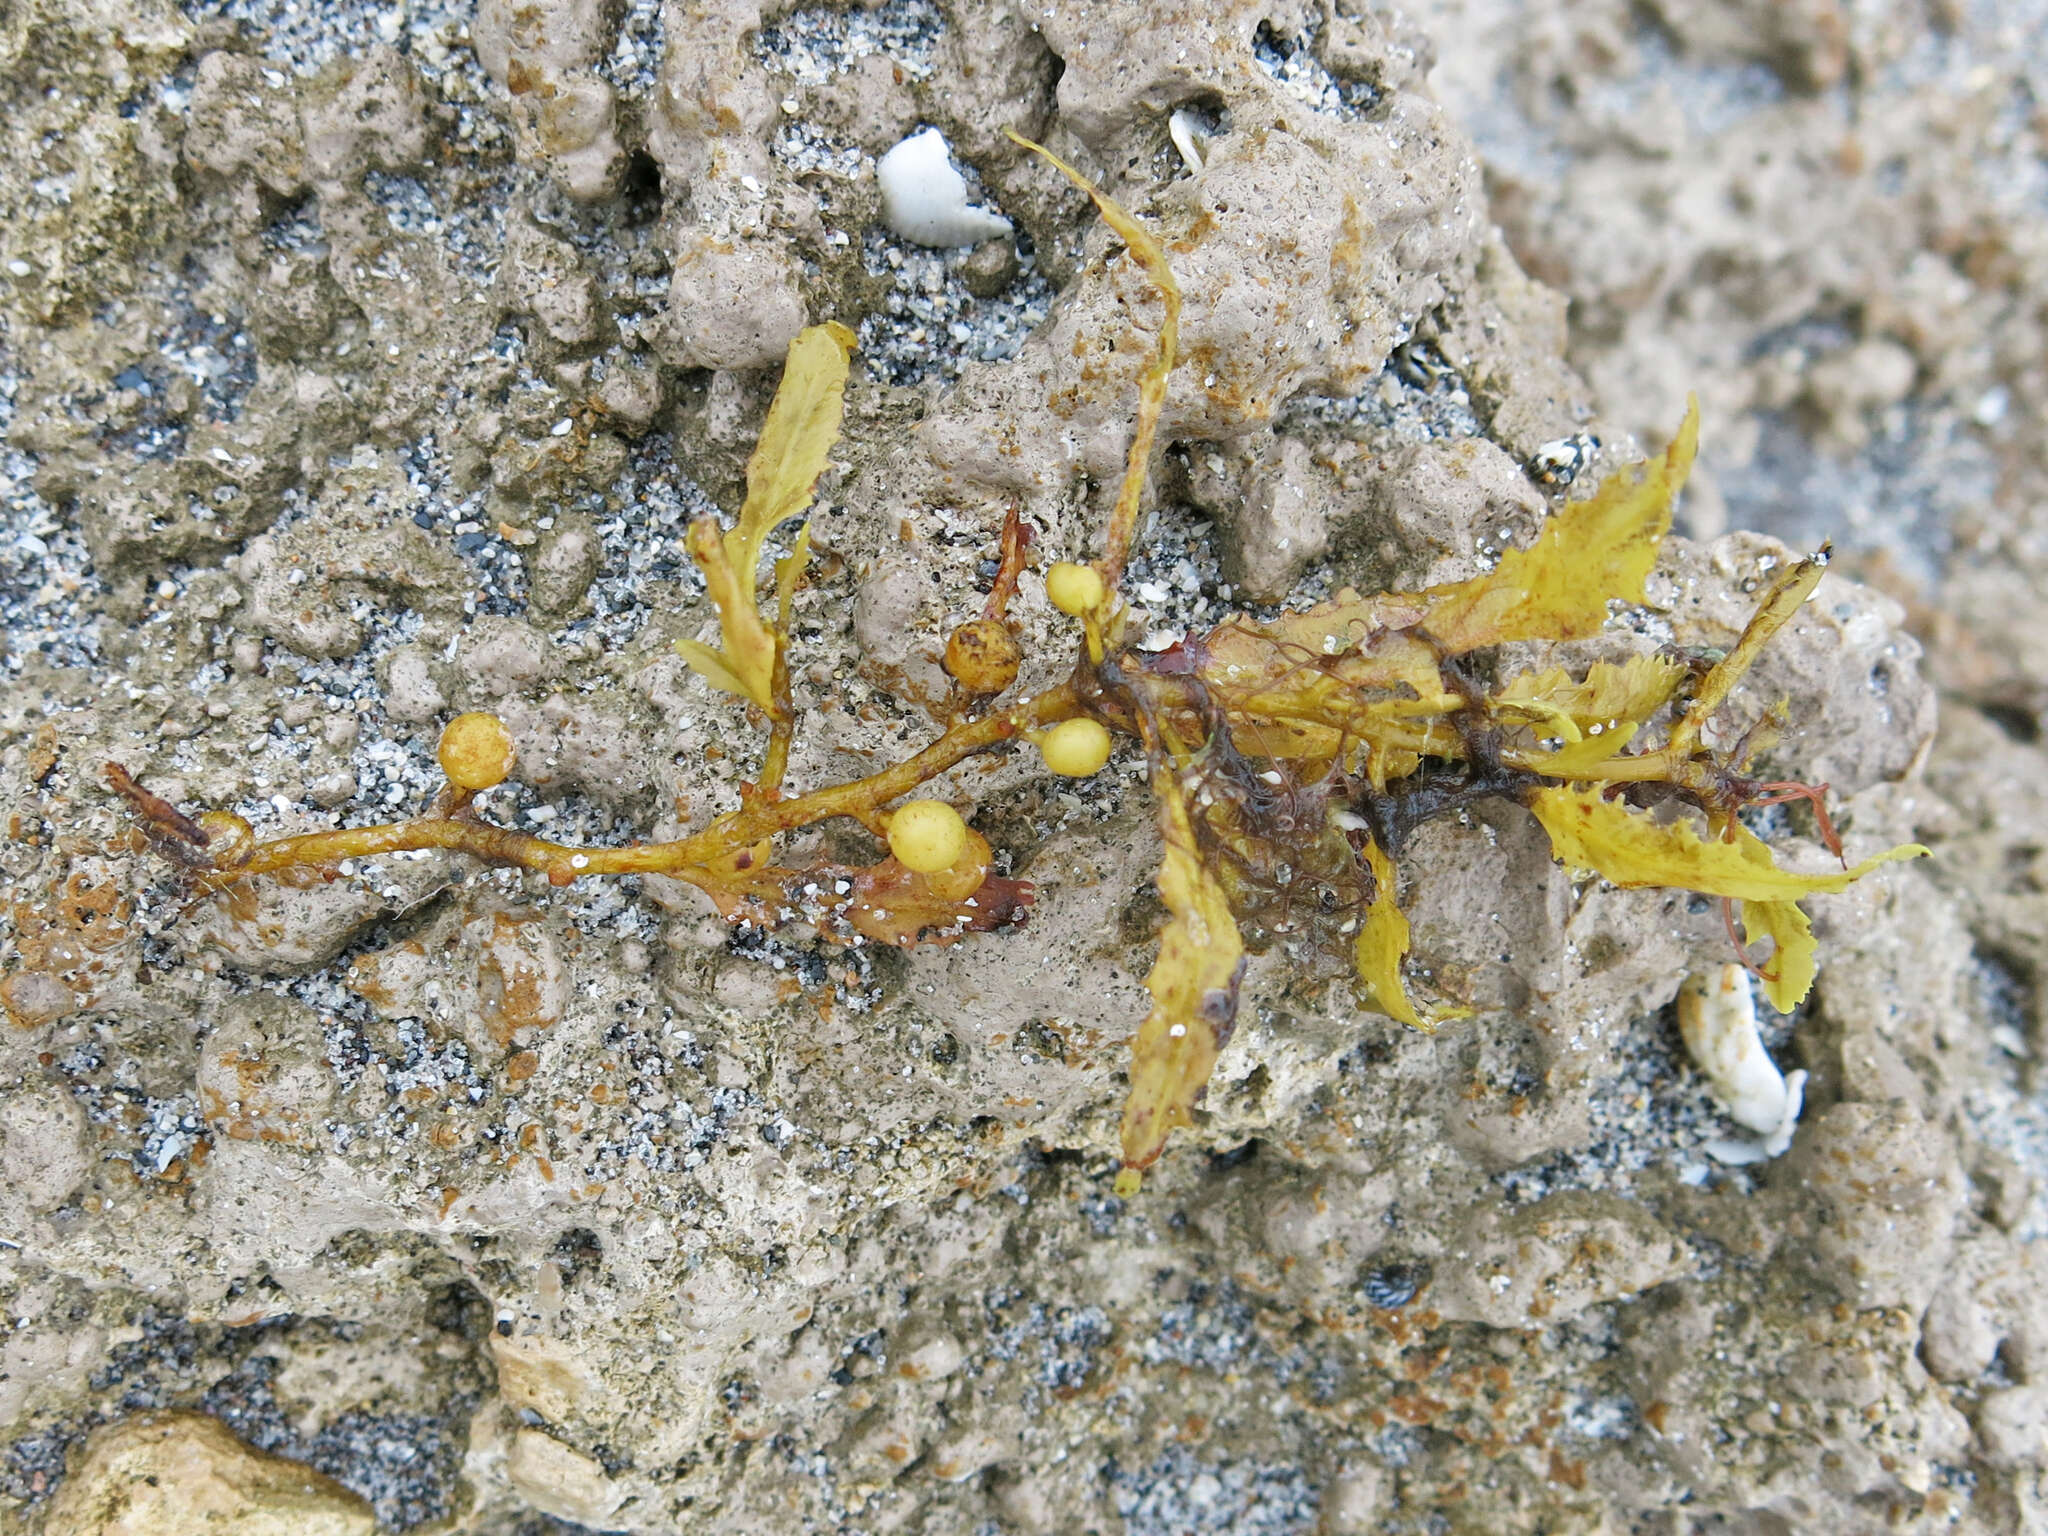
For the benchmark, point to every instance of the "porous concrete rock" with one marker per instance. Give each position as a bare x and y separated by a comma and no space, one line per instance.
1430,500
601,744
266,1203
1284,514
75,68
299,583
185,1474
242,125
565,115
1879,1194
363,114
294,307
138,515
734,299
1354,1502
712,105
1989,1307
496,980
503,656
533,465
45,1359
562,564
1123,60
1698,257
45,1150
263,1075
733,303
541,1375
931,1358
631,395
35,997
1958,1337
962,1456
542,276
1878,1027
1851,388
412,691
901,650
1552,1261
2012,1427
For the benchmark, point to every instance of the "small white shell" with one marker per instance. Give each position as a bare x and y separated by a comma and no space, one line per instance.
924,197
1185,129
1717,1017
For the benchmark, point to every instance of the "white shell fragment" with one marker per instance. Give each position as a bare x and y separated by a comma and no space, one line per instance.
1717,1017
924,196
1190,138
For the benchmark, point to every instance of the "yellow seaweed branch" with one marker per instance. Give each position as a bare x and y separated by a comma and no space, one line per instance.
1284,755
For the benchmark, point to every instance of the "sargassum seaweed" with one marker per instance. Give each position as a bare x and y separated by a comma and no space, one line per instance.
1284,757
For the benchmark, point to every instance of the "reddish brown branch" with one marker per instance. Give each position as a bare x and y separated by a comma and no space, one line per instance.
1016,540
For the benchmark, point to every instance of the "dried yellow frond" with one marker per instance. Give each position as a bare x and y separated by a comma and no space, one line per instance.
1794,962
796,439
1793,586
1383,945
1123,518
1593,719
1194,991
1608,695
1631,848
1591,553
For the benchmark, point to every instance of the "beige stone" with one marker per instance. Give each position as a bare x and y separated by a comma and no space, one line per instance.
733,304
185,1474
564,116
1283,522
242,125
263,1076
560,1481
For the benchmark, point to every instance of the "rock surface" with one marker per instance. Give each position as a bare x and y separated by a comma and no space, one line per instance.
358,367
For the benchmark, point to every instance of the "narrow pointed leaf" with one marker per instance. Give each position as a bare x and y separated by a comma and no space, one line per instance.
795,444
745,659
1383,942
1631,848
1383,945
710,665
1794,585
787,570
1193,985
1591,553
796,440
